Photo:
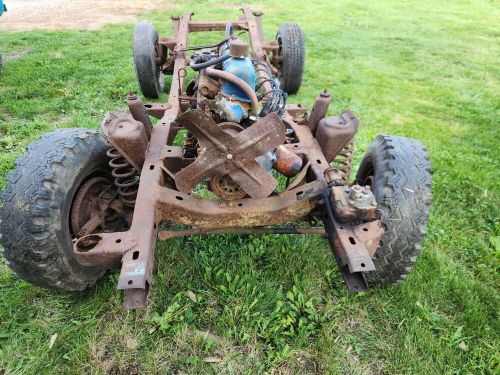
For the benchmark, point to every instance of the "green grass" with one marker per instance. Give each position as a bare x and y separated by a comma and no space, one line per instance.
427,70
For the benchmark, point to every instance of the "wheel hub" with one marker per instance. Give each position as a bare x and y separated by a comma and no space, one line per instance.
96,206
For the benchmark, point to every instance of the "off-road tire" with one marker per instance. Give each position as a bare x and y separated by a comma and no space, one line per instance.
144,46
401,183
35,230
291,40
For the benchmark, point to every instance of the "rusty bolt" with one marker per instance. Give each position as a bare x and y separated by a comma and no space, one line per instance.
358,193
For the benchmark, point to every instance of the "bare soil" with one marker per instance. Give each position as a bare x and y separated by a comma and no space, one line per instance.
24,15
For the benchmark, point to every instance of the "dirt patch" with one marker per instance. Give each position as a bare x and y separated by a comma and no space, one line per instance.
23,15
14,55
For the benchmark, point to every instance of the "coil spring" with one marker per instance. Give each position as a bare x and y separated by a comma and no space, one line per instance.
343,161
126,177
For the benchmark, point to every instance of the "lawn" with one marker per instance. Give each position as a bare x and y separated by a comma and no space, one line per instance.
255,304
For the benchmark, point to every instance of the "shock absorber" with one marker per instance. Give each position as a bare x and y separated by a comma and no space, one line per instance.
343,161
126,177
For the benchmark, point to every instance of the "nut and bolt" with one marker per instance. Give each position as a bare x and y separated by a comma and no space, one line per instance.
362,194
356,193
359,193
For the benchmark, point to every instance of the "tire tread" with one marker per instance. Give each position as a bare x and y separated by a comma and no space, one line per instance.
32,203
403,185
293,50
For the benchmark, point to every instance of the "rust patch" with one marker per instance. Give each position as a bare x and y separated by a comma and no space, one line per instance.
214,151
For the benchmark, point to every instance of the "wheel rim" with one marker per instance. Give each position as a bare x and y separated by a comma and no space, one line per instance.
159,77
369,179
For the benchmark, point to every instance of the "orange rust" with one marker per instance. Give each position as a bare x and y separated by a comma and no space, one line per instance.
169,173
